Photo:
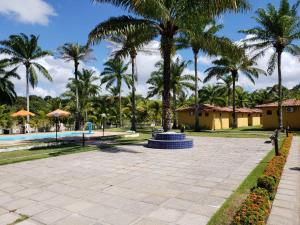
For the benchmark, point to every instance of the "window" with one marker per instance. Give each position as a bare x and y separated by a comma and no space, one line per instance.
269,112
206,114
290,109
191,113
220,114
200,114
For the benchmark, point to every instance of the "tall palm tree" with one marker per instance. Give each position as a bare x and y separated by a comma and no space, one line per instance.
202,36
25,51
233,66
128,42
167,18
7,87
212,95
277,29
114,73
76,53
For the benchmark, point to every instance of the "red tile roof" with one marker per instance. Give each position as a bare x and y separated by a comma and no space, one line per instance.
213,108
288,102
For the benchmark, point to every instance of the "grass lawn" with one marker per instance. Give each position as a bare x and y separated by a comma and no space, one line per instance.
227,211
246,132
26,155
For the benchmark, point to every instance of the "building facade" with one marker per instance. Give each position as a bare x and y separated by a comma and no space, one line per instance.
290,111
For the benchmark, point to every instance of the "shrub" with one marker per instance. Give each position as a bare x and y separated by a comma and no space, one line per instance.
267,182
254,209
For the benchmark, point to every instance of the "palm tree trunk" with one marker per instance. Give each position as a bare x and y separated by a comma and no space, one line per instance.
174,108
77,117
197,122
228,96
280,121
233,100
133,119
120,109
27,91
167,44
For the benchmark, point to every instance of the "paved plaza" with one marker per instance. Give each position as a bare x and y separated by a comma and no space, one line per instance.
129,185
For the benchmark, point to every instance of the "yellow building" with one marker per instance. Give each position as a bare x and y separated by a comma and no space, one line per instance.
290,111
215,118
247,117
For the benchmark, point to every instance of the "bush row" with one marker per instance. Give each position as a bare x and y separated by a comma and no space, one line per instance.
257,206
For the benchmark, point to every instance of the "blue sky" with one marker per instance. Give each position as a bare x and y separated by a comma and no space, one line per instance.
61,21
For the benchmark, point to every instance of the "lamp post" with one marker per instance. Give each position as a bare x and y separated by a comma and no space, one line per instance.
103,116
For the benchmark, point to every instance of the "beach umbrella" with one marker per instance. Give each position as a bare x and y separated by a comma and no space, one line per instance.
22,113
58,113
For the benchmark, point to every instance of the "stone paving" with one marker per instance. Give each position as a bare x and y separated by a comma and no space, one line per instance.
129,185
286,206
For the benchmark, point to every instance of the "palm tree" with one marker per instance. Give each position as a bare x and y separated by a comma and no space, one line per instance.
76,53
212,95
7,87
242,97
277,29
24,50
87,88
226,83
233,66
114,73
201,36
167,18
128,43
155,82
180,83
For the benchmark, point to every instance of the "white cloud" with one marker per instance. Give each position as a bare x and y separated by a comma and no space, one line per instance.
60,71
27,11
290,71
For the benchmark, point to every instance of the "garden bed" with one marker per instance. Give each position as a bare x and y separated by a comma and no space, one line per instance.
251,203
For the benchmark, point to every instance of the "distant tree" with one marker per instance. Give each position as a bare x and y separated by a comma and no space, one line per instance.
76,53
25,51
242,97
7,87
233,66
212,95
114,74
226,84
277,29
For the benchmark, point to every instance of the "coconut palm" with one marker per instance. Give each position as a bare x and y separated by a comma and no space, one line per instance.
277,29
76,53
212,95
201,36
226,84
114,73
87,88
234,66
167,18
180,83
127,43
25,51
242,97
7,87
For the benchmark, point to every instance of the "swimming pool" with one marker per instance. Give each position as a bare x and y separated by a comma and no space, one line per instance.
24,137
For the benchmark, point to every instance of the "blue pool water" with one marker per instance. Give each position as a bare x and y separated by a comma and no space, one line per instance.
23,137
